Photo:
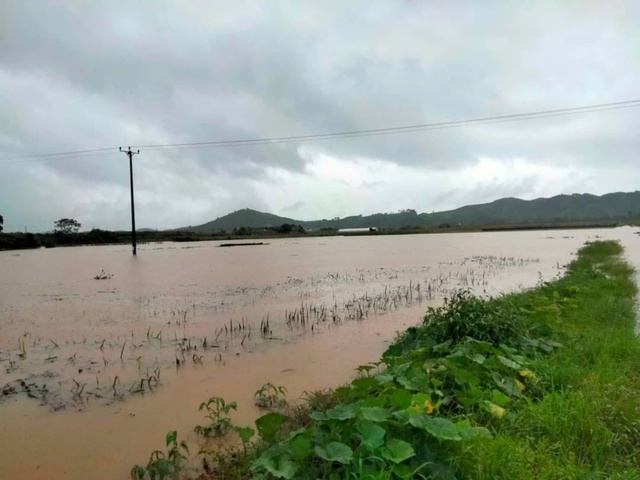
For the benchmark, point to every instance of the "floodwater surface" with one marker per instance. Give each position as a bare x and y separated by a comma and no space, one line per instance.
101,353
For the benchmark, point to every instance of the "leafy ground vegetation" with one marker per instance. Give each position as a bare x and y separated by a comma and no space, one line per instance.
543,384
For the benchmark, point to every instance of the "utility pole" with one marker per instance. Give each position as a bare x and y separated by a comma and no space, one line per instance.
130,154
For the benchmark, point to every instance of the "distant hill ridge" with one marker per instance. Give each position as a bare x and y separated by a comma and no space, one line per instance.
561,208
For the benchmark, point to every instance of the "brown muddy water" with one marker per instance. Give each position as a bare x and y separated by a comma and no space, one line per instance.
101,353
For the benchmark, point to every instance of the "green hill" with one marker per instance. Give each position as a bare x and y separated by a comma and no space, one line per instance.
241,218
506,211
561,208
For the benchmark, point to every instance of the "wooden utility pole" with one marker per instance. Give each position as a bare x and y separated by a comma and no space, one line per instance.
130,154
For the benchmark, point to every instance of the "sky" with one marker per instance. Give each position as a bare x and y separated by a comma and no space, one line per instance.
85,75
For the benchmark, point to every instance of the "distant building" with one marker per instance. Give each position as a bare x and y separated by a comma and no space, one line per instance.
358,230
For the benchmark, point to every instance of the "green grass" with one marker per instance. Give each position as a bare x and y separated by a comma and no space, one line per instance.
587,423
543,384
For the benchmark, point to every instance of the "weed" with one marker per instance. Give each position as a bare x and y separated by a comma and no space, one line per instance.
161,465
103,276
271,397
218,414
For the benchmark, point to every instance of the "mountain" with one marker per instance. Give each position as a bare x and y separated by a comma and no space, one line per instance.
561,208
241,218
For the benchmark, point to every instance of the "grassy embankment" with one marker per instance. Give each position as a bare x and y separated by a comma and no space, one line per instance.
543,384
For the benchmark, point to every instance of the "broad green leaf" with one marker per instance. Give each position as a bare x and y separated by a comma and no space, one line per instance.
420,399
269,425
478,358
245,433
171,437
317,416
299,447
401,398
519,359
414,382
480,432
285,468
507,348
383,378
364,383
398,451
509,363
506,384
342,412
430,364
280,466
500,398
480,345
441,428
495,410
465,377
403,471
335,452
375,414
402,415
344,391
401,368
443,347
545,347
467,431
457,353
372,434
137,472
394,350
185,447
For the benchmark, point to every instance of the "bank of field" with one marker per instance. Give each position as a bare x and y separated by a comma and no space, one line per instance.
543,384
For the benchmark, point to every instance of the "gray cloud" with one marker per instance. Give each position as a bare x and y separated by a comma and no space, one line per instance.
80,75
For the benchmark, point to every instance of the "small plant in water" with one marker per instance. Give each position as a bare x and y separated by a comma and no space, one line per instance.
103,276
218,412
160,466
245,434
271,397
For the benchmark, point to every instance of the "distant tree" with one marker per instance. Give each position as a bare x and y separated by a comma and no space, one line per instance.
241,231
286,228
66,226
289,228
1,222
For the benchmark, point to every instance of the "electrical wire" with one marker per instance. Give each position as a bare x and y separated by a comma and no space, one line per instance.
333,135
407,128
60,156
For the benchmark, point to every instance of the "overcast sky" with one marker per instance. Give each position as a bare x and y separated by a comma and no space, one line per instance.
78,75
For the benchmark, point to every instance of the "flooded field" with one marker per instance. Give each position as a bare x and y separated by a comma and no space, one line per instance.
101,352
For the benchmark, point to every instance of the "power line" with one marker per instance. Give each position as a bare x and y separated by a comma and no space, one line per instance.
337,135
321,137
59,156
45,155
406,128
